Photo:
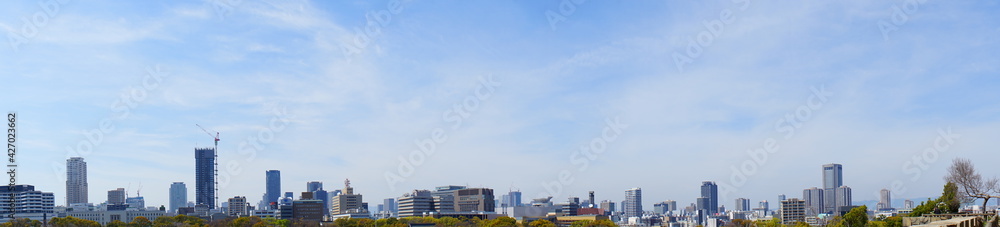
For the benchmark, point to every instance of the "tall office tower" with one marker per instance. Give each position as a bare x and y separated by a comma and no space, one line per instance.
314,186
742,204
671,205
710,191
833,178
389,204
116,197
272,187
908,204
515,198
347,201
633,202
843,199
178,196
884,200
76,181
763,205
204,177
781,197
813,200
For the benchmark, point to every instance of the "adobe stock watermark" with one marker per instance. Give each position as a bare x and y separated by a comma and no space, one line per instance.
375,22
584,156
121,109
425,148
566,9
922,160
899,16
787,126
31,26
248,149
713,30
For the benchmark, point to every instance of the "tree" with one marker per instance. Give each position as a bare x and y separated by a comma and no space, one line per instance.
21,222
971,185
116,223
541,223
857,217
740,223
448,221
501,221
801,224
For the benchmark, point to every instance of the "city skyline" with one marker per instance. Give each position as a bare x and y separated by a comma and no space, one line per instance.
756,103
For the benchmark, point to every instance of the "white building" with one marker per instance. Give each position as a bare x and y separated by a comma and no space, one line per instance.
104,217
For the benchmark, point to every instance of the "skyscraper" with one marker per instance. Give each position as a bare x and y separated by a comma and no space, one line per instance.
272,186
833,178
813,200
178,196
884,200
515,198
633,202
204,177
742,204
76,181
314,186
389,206
710,191
843,199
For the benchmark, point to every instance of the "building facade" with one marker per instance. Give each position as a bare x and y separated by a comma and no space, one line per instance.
178,196
76,181
814,200
272,186
833,178
415,203
475,199
793,211
28,203
710,191
204,176
116,197
238,206
346,201
633,203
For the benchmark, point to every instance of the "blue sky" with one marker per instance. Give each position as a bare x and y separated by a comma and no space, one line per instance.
231,65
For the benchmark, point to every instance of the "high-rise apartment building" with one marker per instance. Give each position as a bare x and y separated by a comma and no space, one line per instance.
843,199
204,177
793,211
76,181
178,196
633,203
238,206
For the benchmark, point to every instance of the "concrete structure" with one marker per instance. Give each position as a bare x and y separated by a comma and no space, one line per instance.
204,177
178,196
116,197
608,206
272,186
908,204
136,203
346,201
710,191
76,181
475,200
833,178
843,200
389,206
238,206
884,200
814,200
793,211
416,203
28,202
742,204
104,217
309,210
314,186
633,202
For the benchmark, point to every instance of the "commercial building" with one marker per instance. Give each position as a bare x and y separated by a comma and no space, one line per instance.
272,186
178,196
28,203
710,191
347,201
742,204
116,197
106,216
833,178
76,181
814,200
475,199
309,210
884,200
238,206
416,203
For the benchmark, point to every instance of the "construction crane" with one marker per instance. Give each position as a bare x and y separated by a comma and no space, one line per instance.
215,197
